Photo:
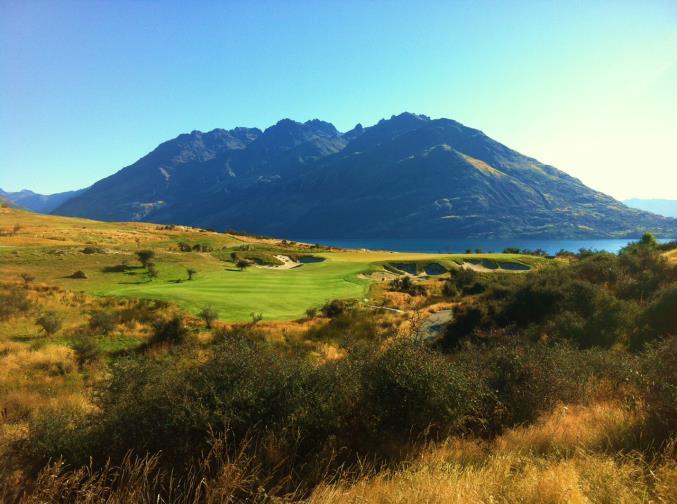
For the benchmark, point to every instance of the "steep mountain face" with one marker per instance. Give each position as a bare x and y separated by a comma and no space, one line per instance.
41,203
408,176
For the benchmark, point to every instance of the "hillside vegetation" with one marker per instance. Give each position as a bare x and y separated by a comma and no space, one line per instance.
554,384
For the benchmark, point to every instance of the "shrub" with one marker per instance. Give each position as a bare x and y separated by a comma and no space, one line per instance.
659,318
103,321
86,350
450,290
79,275
335,307
312,312
13,302
208,314
406,284
172,331
50,322
93,250
660,388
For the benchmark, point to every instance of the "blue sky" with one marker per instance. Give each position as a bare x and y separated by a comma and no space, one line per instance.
87,87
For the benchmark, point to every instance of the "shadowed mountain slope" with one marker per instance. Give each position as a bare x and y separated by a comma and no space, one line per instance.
407,176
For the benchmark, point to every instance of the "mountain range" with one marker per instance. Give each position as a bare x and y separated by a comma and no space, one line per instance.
41,203
409,176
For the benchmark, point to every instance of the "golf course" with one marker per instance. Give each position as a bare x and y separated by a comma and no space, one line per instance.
102,259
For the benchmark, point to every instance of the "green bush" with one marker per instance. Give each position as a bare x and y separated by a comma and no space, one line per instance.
87,351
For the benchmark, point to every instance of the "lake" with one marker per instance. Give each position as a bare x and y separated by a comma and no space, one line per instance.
461,245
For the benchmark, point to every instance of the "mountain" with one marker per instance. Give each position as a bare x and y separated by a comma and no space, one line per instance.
407,176
41,203
665,207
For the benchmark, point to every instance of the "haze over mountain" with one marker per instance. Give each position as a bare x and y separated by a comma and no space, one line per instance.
41,203
665,207
407,176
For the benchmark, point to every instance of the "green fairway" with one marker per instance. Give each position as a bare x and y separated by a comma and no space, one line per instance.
276,294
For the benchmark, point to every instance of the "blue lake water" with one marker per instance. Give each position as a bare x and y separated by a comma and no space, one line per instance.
461,245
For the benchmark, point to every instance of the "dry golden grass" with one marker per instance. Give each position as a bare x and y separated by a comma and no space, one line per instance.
554,461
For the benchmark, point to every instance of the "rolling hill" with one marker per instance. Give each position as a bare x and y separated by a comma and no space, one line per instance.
407,176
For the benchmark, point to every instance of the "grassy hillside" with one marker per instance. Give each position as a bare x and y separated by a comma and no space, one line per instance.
553,386
53,248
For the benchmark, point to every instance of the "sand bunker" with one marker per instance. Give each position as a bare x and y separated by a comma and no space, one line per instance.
286,261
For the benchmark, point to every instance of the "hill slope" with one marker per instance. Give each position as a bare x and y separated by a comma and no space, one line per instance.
408,176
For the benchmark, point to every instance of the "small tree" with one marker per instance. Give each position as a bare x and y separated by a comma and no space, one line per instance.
27,278
209,315
151,270
50,322
145,256
243,264
191,272
256,317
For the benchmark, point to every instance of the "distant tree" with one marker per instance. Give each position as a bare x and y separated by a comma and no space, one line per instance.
243,264
27,278
208,314
191,272
234,257
256,317
151,270
145,256
16,228
50,322
79,274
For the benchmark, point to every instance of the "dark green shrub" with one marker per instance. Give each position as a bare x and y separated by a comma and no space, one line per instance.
172,331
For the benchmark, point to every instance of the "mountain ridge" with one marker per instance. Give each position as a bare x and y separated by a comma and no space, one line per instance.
406,176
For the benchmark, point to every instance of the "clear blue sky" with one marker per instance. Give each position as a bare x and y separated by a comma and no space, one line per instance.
87,87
